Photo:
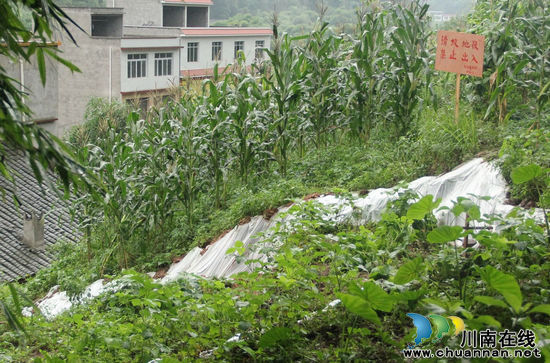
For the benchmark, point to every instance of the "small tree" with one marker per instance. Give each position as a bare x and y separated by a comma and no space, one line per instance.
19,42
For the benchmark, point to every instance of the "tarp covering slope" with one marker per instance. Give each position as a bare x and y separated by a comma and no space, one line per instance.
474,178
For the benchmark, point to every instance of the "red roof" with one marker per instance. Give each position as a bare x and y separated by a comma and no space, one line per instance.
226,31
202,2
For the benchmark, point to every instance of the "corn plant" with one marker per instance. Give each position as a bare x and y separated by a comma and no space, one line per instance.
324,87
215,130
364,72
246,123
187,150
286,90
517,55
409,64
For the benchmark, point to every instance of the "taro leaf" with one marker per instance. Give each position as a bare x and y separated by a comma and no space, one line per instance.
424,206
490,301
524,174
275,336
468,206
410,295
505,284
444,234
409,271
360,306
544,308
377,297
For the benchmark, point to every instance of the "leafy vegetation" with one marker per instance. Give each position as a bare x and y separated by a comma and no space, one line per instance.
23,44
323,113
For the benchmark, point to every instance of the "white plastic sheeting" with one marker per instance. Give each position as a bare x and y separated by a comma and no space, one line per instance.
474,178
213,261
57,302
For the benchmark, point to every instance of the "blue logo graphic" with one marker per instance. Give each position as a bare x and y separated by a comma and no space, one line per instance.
435,325
423,327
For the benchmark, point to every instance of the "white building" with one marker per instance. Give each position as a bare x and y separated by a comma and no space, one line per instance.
135,50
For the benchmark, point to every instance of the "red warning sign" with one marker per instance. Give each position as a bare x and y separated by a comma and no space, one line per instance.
460,53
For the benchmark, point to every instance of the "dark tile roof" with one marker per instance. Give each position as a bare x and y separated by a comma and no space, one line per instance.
16,259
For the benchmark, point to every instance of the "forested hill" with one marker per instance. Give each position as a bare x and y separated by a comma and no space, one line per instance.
294,16
299,16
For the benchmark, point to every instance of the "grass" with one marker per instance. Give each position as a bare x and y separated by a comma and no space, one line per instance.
439,146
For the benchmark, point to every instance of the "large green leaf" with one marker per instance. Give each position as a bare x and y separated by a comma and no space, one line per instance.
490,301
444,234
377,297
505,284
360,306
409,271
424,206
275,336
544,308
524,174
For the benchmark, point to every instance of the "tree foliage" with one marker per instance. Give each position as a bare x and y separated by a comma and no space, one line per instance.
19,43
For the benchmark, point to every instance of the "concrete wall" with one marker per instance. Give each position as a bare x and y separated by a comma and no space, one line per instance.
197,16
150,82
42,100
228,50
140,12
98,59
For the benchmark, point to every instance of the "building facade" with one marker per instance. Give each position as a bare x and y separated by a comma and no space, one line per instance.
134,51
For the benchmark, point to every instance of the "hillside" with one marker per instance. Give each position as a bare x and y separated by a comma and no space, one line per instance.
395,228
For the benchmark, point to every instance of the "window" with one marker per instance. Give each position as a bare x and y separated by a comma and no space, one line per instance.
239,46
137,65
163,64
259,53
192,52
216,51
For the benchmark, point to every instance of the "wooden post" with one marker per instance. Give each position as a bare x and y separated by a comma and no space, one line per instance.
457,97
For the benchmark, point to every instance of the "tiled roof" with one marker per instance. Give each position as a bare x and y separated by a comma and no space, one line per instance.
223,31
16,259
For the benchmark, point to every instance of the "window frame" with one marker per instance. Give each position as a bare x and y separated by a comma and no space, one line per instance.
238,45
136,65
259,49
216,57
195,49
163,64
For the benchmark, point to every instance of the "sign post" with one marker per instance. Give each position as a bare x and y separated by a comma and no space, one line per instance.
460,53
